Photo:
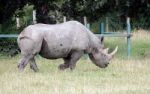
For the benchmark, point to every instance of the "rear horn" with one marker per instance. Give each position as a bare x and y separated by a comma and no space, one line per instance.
106,50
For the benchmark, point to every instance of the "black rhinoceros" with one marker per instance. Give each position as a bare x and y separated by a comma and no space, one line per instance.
69,40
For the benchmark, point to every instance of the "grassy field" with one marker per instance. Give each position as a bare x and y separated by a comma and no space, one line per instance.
123,76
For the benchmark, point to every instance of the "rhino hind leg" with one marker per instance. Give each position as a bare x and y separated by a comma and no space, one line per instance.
24,61
29,48
33,65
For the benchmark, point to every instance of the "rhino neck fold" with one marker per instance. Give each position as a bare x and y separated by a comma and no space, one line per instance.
94,42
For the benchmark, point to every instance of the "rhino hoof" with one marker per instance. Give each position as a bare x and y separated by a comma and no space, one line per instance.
20,67
36,70
62,66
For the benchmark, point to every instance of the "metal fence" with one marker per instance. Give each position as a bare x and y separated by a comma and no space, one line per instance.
8,45
8,42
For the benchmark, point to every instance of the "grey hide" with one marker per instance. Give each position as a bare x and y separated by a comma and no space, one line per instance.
69,40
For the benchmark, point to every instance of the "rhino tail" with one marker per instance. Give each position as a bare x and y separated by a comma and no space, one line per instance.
20,37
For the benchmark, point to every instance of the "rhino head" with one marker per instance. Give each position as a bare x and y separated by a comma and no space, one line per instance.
101,57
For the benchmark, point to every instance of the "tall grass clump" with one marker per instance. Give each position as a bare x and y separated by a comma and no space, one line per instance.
140,45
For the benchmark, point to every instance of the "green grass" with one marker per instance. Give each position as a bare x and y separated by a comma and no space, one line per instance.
122,76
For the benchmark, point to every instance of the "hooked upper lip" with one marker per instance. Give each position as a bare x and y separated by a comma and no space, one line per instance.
104,66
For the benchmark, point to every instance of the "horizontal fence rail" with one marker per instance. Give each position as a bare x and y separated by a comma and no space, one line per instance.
103,30
105,35
114,35
8,35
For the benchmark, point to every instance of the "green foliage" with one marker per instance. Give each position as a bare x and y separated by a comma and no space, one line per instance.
52,11
8,8
9,47
25,16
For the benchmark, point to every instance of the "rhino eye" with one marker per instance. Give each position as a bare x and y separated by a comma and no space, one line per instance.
104,55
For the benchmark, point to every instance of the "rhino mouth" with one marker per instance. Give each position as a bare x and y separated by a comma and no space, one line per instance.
101,65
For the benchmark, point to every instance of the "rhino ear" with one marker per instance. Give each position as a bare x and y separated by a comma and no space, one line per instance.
101,38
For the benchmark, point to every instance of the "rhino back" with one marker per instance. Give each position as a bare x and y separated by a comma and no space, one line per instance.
61,39
56,41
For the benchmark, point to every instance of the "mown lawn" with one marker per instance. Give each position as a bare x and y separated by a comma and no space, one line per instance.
123,76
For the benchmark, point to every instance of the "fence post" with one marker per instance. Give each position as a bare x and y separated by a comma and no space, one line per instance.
85,21
88,25
34,17
18,22
101,28
64,19
107,28
129,37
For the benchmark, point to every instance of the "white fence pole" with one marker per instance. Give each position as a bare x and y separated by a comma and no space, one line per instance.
34,17
64,19
85,20
18,22
88,25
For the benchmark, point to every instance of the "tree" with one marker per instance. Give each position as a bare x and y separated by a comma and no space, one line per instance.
76,9
8,8
43,7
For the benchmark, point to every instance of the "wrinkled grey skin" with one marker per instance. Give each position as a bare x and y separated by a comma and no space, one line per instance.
69,40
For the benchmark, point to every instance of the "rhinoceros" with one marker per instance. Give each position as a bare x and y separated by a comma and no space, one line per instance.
69,41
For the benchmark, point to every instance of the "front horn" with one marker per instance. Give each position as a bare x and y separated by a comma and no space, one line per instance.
113,53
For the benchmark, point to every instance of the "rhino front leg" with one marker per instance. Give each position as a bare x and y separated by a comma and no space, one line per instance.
33,65
65,65
75,56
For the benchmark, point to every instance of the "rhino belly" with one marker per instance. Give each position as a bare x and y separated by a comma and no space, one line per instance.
54,51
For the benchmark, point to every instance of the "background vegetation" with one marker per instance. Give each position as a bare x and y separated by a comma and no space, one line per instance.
51,11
